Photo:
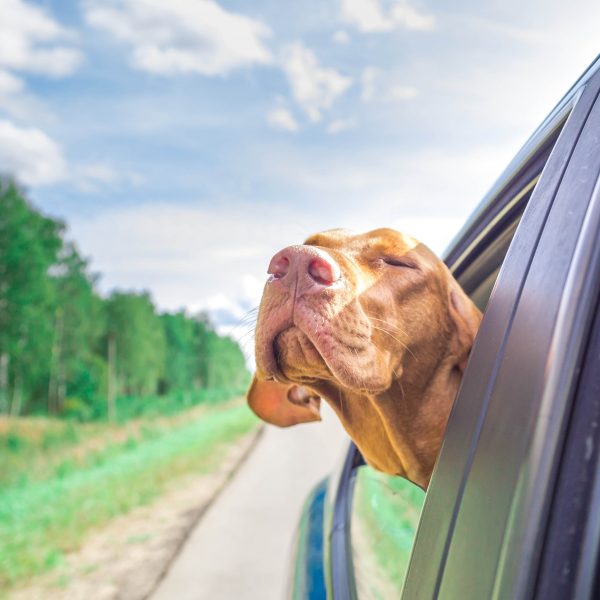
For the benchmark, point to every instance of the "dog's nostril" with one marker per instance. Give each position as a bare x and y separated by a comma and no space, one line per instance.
279,266
323,272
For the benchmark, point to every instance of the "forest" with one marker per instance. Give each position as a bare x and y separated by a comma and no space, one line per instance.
67,351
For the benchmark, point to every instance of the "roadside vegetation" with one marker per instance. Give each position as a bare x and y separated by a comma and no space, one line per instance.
105,402
58,479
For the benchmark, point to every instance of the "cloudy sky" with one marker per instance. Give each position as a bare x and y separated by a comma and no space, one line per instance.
184,142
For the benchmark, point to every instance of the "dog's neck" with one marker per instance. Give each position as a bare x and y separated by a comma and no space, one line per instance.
401,429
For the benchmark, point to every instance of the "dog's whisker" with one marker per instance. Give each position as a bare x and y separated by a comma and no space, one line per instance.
245,337
249,317
241,324
395,338
401,389
393,327
245,324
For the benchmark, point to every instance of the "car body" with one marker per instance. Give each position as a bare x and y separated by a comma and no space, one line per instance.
513,508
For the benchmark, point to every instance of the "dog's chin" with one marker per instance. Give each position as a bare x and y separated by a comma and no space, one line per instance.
297,358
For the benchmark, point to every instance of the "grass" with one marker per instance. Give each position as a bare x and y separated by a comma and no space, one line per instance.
58,479
132,407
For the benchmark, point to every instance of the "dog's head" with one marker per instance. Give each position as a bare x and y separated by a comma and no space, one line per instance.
369,322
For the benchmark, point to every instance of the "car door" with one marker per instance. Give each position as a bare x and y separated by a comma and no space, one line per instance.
376,516
483,525
523,241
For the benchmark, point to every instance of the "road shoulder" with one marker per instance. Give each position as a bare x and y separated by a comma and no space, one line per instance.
128,558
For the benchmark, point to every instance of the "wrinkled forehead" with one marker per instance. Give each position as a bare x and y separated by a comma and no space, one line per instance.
382,240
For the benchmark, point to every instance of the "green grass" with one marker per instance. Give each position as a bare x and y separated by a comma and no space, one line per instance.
133,407
33,447
63,479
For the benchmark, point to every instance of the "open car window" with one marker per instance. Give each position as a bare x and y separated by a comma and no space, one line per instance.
385,510
488,498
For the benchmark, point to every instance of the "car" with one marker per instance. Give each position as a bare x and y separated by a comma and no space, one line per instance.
513,507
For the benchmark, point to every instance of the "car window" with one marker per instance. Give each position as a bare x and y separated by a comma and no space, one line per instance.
386,509
456,522
385,515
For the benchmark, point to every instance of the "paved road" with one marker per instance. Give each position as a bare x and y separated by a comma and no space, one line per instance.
242,546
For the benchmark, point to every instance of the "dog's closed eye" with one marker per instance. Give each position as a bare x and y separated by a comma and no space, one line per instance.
399,262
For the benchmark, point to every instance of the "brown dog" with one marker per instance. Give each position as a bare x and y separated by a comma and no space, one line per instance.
376,325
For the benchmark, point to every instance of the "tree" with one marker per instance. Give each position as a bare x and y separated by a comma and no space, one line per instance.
180,340
140,342
77,366
29,245
219,360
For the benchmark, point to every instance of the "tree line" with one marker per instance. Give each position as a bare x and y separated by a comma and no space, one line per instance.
65,349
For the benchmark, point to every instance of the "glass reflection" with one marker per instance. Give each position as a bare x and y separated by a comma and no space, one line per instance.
385,515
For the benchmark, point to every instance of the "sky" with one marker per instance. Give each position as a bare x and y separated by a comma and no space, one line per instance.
185,142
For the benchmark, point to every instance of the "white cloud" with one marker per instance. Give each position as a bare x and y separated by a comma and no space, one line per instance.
30,154
404,15
401,92
9,84
31,41
281,118
92,177
35,159
99,172
368,79
341,37
339,125
369,16
17,103
314,88
182,36
376,85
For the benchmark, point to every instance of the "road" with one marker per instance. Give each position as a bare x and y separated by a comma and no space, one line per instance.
241,548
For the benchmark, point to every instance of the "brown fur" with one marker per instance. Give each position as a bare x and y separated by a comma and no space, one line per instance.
386,347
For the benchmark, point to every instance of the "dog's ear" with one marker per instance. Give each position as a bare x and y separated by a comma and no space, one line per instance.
466,317
281,404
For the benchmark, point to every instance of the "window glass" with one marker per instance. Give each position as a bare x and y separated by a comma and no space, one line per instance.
386,509
385,515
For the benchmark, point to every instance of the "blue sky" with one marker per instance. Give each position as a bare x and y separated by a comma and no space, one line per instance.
184,142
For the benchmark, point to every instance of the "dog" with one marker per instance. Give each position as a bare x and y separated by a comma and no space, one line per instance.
377,326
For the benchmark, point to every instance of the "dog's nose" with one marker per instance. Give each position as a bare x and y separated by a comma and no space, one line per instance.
310,267
323,270
279,266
